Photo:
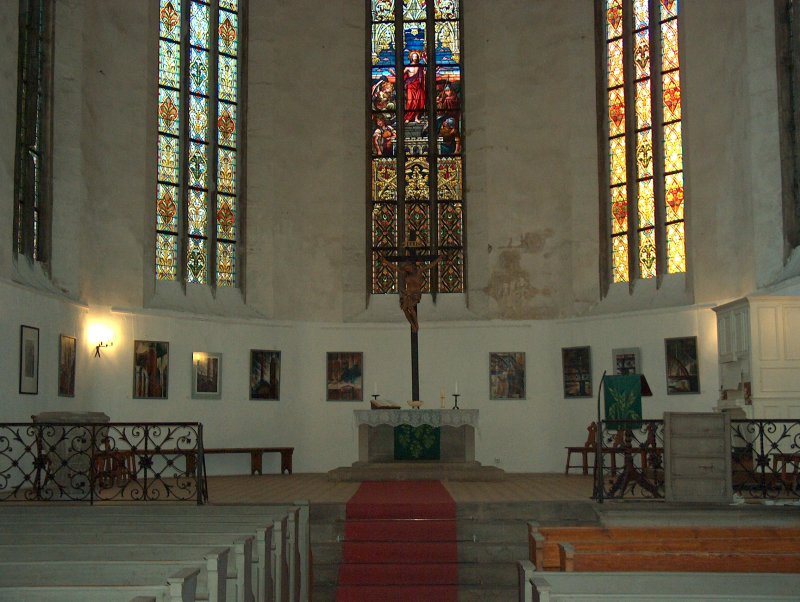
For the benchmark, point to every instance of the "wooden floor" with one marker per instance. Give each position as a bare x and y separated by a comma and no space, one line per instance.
316,488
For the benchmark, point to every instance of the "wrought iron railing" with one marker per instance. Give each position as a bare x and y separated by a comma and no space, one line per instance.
91,462
631,461
765,458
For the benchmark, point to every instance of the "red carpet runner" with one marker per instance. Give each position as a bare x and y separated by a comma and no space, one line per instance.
400,544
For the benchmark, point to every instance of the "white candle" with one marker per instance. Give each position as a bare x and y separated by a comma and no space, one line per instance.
375,388
456,392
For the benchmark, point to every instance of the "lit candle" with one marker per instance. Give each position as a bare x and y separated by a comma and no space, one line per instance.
456,392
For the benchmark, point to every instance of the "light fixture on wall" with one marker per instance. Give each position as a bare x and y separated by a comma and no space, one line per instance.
101,337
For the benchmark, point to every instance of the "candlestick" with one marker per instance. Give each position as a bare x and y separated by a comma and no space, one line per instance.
456,396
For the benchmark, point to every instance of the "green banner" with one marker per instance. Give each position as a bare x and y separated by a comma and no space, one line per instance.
623,399
416,442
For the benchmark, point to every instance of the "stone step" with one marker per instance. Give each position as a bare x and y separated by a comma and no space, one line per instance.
471,593
469,573
467,530
468,551
412,471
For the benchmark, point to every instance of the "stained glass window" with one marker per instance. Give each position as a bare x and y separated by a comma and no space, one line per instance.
644,144
32,169
416,139
199,142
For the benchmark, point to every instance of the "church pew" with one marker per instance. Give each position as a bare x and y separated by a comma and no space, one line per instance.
654,587
210,579
543,541
180,586
572,560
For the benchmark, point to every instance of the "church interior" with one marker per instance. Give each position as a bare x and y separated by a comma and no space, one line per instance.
535,273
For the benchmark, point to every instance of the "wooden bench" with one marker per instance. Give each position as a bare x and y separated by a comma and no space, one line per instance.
256,454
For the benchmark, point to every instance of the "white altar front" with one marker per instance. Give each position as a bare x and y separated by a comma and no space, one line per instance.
376,432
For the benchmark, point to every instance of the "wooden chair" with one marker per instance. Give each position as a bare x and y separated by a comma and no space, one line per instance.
589,446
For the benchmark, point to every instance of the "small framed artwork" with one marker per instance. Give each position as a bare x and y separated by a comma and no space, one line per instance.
683,375
265,374
626,361
206,375
345,376
507,375
29,360
66,366
150,369
577,369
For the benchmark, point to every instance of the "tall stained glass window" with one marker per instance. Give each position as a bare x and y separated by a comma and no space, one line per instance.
198,200
32,163
644,144
416,139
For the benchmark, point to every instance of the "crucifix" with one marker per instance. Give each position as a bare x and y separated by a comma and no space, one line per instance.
411,268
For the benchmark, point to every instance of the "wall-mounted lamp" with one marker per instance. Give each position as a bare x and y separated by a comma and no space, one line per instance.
100,345
101,336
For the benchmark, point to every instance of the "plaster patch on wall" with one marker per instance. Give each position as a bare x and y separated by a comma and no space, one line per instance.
530,242
510,286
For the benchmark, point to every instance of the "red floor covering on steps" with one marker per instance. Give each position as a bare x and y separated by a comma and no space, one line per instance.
400,544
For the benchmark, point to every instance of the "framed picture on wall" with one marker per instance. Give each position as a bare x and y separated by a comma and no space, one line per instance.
66,366
577,370
683,374
29,360
265,374
626,361
150,369
206,375
507,375
344,376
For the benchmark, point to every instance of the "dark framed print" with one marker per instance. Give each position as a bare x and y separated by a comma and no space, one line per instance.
150,369
67,346
344,376
29,360
627,361
507,375
577,371
206,375
683,374
265,374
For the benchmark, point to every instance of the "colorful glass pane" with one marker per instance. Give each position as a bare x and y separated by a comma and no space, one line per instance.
447,44
414,10
619,258
448,135
384,135
450,225
672,95
644,107
644,154
198,165
167,208
226,264
197,212
169,64
418,224
226,124
414,43
229,4
641,13
384,225
416,116
383,95
616,112
669,46
445,9
169,20
196,261
198,118
647,254
166,256
448,88
616,73
384,280
168,111
384,180
673,197
619,209
676,248
614,19
669,8
646,204
228,32
199,20
618,167
227,74
451,271
383,44
168,159
226,217
417,170
450,187
641,54
673,147
382,10
198,71
226,171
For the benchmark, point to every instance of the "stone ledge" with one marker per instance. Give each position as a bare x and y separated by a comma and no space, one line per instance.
413,471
